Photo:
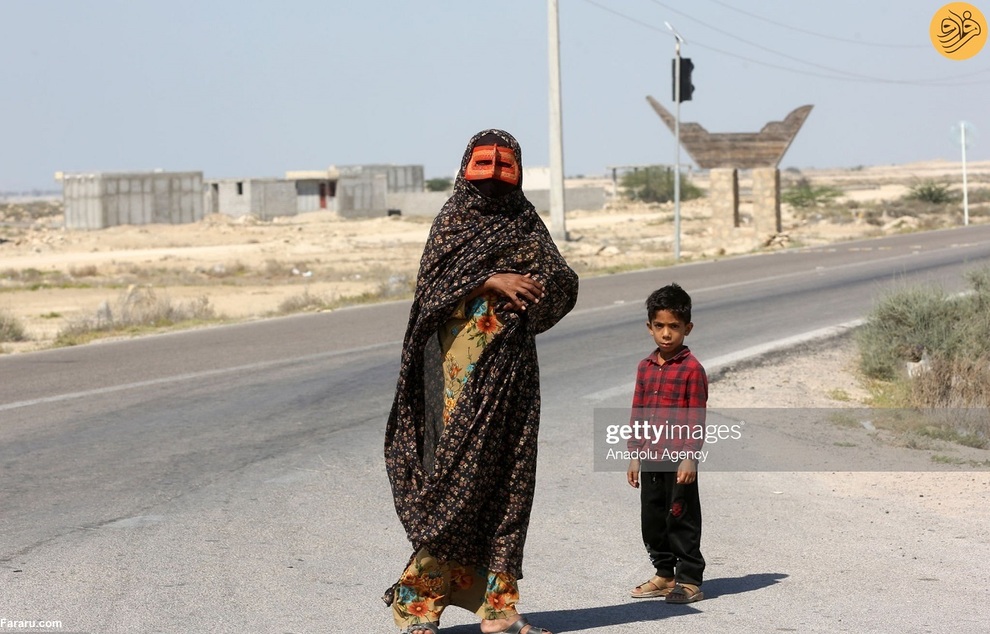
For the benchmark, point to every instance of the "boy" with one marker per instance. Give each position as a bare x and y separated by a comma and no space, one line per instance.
670,384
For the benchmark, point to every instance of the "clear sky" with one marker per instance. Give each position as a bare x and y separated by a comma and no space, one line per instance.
251,88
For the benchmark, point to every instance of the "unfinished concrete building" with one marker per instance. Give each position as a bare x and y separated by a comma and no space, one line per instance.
315,189
364,190
263,198
107,199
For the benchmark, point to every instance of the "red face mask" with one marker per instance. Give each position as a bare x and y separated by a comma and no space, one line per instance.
492,162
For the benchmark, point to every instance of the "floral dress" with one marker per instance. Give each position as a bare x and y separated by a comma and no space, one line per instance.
428,585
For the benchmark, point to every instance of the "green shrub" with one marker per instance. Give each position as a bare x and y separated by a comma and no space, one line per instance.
951,334
655,184
902,325
931,192
803,195
438,184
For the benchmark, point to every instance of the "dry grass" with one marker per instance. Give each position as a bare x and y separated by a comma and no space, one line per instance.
927,356
11,328
389,287
138,310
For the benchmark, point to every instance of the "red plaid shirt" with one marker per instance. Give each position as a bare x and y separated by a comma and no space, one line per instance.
677,394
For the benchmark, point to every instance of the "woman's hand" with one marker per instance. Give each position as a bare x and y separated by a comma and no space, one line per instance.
518,290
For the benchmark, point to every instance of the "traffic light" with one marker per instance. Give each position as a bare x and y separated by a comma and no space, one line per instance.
687,88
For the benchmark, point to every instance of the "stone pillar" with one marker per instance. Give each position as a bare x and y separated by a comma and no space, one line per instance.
766,200
723,193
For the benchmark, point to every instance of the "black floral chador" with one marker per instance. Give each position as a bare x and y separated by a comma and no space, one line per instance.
464,490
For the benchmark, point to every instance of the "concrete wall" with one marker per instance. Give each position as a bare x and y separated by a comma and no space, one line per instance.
418,204
362,195
405,178
263,198
273,198
398,178
233,200
96,201
363,190
429,203
83,202
588,198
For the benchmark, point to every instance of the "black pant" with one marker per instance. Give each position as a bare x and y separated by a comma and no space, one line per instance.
671,523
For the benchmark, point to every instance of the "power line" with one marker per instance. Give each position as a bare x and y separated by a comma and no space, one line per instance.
813,33
851,75
842,74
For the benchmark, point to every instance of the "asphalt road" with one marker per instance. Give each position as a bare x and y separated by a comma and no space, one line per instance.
230,479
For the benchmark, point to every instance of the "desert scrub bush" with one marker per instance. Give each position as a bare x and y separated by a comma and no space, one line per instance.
956,383
902,326
950,336
931,192
224,270
439,184
304,302
655,184
978,195
33,280
11,329
88,270
838,213
137,309
274,269
881,212
803,194
394,286
32,210
979,280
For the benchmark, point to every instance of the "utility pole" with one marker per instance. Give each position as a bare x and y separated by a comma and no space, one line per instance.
558,229
677,142
962,128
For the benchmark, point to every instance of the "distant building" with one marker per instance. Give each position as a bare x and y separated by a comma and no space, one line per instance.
263,198
354,191
364,190
315,189
105,199
99,200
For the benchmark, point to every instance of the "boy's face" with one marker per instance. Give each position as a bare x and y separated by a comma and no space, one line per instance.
668,331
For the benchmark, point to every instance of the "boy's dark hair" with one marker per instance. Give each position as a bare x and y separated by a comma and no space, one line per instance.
671,297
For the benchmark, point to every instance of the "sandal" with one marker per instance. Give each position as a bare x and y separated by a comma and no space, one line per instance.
430,627
656,587
518,625
685,593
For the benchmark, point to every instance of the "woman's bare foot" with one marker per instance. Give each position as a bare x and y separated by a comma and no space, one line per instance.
493,626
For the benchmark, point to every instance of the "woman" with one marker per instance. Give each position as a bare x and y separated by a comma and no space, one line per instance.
460,445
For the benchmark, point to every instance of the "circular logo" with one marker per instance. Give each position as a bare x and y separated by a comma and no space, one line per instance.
958,30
